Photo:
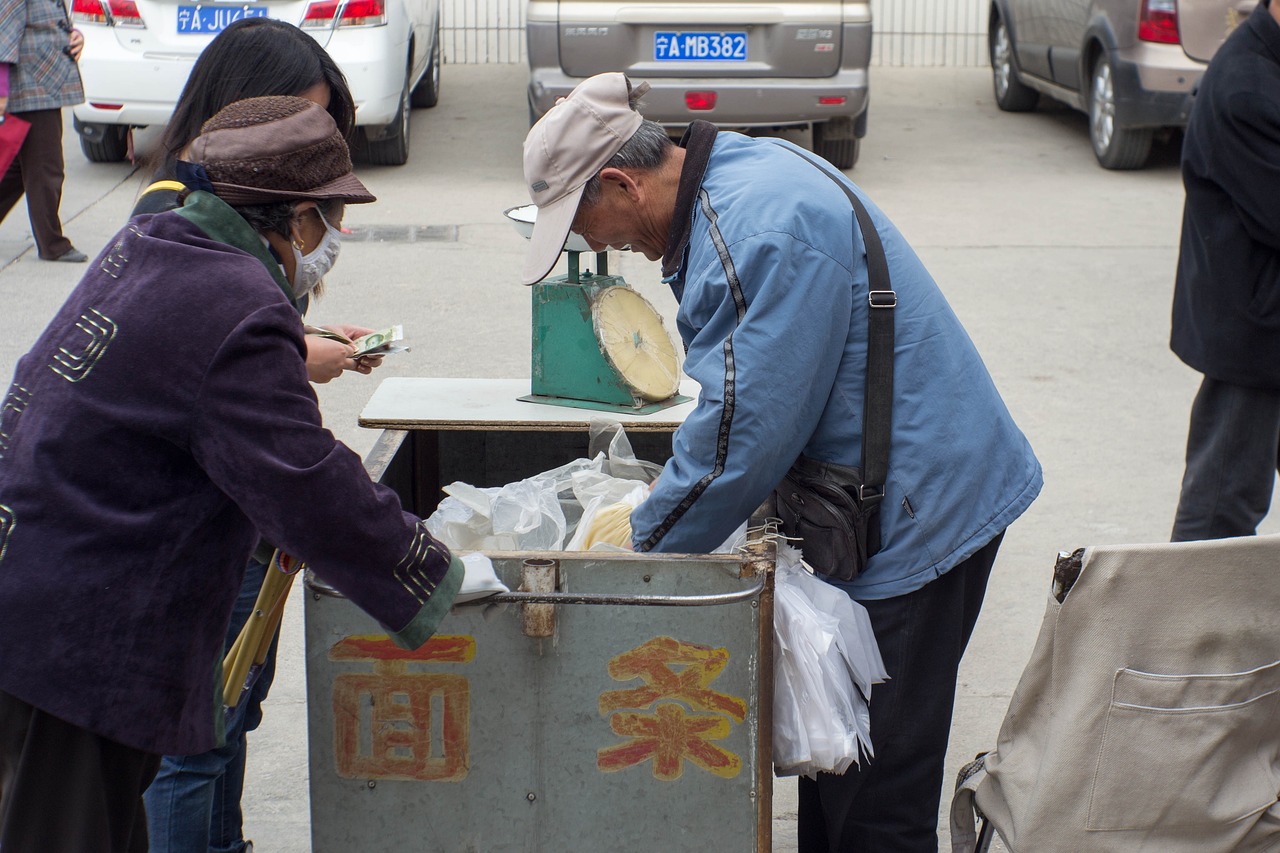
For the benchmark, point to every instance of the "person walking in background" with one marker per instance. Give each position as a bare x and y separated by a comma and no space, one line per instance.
38,77
194,802
1226,301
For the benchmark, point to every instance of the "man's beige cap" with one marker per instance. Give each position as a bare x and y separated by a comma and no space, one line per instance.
564,150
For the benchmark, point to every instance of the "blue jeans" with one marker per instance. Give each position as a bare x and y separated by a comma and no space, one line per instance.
193,805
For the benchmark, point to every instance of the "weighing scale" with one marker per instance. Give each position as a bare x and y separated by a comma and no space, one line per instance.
597,343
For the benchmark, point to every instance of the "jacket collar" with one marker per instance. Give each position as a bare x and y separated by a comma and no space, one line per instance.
1266,28
216,218
697,143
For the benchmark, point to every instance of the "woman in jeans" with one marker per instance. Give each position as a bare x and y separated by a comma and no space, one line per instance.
195,799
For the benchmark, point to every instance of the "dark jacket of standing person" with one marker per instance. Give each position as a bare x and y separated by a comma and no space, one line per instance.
1226,304
157,426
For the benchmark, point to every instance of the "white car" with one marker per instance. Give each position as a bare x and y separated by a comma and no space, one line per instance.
138,54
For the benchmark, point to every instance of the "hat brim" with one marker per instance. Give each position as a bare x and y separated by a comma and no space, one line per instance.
550,231
346,188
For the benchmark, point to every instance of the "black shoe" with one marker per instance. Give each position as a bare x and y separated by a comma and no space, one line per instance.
71,256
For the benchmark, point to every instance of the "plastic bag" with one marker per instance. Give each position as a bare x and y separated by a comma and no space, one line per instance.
542,512
597,495
825,661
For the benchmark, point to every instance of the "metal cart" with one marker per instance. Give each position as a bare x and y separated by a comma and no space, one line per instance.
622,702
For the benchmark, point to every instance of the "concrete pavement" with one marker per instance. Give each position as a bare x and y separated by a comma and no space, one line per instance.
1062,273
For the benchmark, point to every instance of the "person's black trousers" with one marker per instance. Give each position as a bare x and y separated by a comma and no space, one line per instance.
1233,451
38,171
890,802
64,789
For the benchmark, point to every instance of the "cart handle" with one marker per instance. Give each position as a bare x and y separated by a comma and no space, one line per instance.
636,600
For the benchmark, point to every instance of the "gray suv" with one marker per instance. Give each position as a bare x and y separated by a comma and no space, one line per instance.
1132,65
739,64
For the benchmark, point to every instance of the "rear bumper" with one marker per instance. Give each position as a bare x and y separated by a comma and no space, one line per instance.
1154,85
146,87
740,102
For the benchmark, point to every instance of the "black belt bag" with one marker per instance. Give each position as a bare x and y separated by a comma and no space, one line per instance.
836,517
834,510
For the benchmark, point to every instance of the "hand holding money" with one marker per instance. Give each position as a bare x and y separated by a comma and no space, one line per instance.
382,342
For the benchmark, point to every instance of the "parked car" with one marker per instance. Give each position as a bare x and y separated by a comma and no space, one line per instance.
737,63
138,54
1132,65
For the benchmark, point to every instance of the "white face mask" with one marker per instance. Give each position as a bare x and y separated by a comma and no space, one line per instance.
311,268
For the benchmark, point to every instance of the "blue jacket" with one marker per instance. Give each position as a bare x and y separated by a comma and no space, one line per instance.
774,324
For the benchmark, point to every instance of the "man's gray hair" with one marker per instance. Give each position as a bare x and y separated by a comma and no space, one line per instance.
646,149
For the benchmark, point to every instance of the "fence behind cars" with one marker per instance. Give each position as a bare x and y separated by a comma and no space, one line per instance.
907,32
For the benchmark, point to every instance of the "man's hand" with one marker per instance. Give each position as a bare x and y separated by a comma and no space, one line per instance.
75,45
327,358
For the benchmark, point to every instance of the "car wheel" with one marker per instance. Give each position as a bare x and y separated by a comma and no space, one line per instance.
1115,147
393,148
104,143
834,141
427,92
1012,95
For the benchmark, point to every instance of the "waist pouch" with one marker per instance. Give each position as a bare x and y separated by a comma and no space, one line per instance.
838,521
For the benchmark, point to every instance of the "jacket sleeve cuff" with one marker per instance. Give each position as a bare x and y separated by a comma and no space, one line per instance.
424,624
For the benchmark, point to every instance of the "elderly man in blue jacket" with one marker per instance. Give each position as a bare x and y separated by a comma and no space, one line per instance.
762,253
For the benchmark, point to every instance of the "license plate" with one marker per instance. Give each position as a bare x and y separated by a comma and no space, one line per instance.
685,47
207,20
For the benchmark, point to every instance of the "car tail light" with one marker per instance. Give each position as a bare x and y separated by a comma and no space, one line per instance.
115,13
1159,21
353,13
700,100
98,106
831,100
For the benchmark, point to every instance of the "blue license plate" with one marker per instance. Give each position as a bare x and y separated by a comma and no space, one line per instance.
704,47
207,20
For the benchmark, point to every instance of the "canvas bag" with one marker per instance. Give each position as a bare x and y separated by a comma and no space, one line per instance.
1148,718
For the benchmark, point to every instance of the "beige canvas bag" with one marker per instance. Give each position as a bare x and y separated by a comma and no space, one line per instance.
1148,718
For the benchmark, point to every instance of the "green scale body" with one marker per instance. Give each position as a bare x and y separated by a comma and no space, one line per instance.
569,367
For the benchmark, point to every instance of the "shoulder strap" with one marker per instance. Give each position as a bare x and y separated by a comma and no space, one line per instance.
877,405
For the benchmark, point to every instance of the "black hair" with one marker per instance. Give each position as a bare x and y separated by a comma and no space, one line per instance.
277,215
253,57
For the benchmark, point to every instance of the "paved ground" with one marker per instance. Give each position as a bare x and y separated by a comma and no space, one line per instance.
1062,273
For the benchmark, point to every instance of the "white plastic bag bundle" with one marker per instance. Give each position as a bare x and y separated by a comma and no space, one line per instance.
825,661
543,512
599,493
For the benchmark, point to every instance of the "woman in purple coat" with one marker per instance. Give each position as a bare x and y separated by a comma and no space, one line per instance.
158,426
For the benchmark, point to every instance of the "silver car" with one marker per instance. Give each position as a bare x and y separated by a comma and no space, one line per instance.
740,64
1132,65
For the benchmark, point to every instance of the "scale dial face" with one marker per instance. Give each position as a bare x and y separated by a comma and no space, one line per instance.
635,342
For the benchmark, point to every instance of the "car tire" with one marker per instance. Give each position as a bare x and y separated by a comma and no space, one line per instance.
105,143
1115,147
427,93
393,148
835,142
1012,95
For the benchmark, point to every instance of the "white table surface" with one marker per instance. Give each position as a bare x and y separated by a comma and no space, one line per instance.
417,403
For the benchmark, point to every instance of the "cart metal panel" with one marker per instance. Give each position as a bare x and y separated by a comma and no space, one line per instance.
632,727
640,721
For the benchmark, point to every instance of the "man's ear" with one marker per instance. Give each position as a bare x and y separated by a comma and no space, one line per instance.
625,180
